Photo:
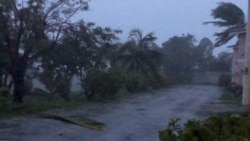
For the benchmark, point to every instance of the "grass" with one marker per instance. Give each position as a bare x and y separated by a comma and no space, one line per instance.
229,98
37,103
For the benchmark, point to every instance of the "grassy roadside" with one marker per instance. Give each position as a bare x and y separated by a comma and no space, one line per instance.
228,97
38,103
42,102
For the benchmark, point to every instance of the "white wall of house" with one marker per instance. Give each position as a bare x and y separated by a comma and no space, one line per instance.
238,60
207,77
75,84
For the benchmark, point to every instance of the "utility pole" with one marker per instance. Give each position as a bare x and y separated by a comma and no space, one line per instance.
246,79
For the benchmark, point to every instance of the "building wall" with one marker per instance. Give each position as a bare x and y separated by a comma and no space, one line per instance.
75,84
238,60
207,77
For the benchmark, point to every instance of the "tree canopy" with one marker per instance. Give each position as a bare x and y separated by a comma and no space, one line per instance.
140,53
40,35
31,28
231,17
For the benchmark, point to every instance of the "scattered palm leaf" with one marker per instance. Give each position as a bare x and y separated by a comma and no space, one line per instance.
91,124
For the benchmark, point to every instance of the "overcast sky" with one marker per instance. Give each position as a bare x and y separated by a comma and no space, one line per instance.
166,18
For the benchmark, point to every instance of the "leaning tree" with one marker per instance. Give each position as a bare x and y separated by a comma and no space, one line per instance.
140,53
229,16
31,28
83,48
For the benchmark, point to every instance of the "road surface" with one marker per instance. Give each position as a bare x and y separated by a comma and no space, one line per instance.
136,118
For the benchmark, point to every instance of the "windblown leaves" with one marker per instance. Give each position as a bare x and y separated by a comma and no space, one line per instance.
230,16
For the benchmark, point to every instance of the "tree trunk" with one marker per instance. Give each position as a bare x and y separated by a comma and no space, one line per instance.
18,81
5,81
18,92
1,80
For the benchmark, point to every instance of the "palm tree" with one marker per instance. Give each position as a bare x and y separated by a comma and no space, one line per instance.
141,41
140,53
229,16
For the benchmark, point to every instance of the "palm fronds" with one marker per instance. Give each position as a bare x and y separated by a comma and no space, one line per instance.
230,16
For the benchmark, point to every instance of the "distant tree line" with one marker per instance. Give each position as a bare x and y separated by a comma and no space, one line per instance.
38,39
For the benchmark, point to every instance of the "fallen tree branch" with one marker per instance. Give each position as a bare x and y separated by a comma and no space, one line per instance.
89,124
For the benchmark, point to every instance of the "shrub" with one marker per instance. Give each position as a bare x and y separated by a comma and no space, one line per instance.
103,85
136,82
160,81
235,89
214,128
4,98
57,84
27,87
224,80
180,77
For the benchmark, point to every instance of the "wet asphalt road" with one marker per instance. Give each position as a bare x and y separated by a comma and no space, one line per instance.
136,118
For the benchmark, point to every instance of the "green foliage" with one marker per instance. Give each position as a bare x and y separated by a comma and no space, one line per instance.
214,128
140,54
236,90
105,85
100,85
224,80
136,82
38,102
25,43
230,16
179,58
222,63
27,86
165,81
229,97
4,99
159,80
204,55
56,84
85,48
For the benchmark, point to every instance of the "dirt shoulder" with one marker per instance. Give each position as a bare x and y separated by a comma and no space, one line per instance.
136,118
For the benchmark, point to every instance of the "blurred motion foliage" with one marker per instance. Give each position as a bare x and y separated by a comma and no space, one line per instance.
224,80
59,49
103,85
23,42
214,128
4,99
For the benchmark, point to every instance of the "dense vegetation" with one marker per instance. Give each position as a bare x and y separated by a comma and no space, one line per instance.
58,50
215,128
232,127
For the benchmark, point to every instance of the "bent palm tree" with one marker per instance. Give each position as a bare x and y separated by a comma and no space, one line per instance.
140,53
231,17
142,42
